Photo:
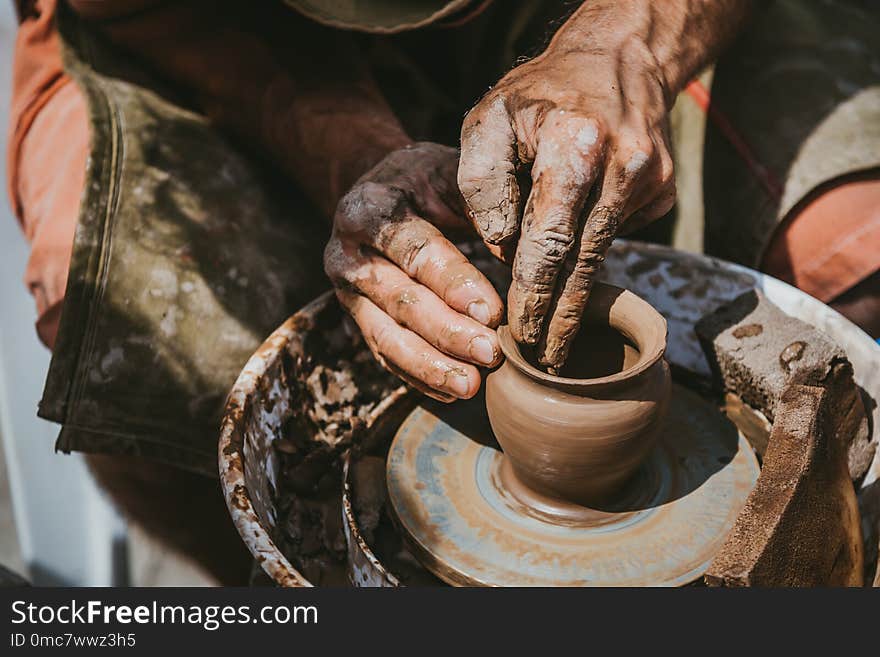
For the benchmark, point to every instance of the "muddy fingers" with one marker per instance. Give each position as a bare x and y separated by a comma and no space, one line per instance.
406,354
574,291
487,171
425,310
569,151
417,308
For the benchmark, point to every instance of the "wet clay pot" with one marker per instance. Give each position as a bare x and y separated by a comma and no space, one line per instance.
576,439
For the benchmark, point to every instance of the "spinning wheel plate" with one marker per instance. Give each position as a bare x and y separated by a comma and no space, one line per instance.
444,472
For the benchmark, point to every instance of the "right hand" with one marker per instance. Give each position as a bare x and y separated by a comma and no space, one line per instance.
426,313
589,115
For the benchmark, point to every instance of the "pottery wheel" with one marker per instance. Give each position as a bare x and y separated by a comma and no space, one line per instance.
444,469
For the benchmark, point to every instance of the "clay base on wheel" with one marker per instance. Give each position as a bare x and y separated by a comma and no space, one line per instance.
451,493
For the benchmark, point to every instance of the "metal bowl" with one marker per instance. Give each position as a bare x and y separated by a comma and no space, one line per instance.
260,402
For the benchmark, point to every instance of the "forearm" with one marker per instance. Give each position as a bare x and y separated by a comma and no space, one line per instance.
682,36
294,88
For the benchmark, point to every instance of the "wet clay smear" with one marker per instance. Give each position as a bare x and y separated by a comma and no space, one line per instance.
338,385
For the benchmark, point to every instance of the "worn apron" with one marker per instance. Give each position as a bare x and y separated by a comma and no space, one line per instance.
187,253
190,250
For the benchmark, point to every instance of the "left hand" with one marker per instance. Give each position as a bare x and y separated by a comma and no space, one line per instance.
425,311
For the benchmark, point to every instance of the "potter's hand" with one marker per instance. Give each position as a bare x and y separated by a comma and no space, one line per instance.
593,126
425,311
590,116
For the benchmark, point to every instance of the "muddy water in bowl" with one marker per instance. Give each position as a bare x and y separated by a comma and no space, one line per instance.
604,475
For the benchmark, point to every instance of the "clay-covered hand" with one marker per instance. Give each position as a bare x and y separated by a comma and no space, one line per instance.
590,116
425,311
592,122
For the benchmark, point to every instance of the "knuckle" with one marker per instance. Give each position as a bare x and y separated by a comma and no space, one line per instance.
601,229
584,133
351,214
557,218
553,244
449,335
382,338
343,270
406,298
414,255
486,129
471,120
469,181
372,192
636,157
366,203
568,138
492,105
460,276
333,258
606,213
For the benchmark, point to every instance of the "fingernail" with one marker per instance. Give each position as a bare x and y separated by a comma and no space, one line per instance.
460,384
481,349
479,311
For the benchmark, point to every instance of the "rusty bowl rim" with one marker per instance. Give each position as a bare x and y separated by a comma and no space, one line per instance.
351,522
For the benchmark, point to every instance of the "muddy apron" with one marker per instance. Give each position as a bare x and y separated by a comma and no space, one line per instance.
187,254
189,250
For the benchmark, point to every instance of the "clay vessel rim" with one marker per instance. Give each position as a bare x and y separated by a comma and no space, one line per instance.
646,360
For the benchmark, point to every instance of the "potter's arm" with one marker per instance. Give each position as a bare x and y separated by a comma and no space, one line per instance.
291,87
590,115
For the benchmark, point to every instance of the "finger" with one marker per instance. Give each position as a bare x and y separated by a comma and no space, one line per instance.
487,171
421,250
403,352
567,307
565,168
418,385
381,218
625,178
417,308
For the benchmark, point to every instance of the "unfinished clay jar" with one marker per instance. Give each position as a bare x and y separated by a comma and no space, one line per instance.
578,437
